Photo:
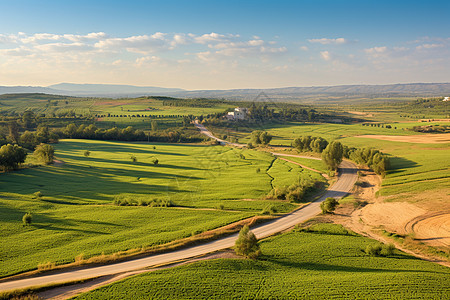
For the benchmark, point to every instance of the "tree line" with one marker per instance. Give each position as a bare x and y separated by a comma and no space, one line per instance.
334,152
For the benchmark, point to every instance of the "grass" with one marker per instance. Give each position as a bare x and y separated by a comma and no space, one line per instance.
75,214
325,262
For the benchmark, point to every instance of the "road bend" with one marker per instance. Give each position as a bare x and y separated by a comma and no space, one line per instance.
345,181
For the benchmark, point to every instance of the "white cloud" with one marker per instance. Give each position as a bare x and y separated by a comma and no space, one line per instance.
143,44
20,51
304,48
325,41
376,51
63,47
429,46
325,55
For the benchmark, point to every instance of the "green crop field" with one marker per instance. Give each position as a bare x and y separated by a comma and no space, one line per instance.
327,263
416,168
76,215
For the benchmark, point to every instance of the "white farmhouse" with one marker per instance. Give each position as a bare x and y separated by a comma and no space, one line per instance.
239,113
446,99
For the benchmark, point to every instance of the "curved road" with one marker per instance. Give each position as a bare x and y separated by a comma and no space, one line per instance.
340,188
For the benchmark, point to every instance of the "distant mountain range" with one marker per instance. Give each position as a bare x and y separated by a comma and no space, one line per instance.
297,94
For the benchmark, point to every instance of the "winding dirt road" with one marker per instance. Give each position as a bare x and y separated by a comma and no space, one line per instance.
347,178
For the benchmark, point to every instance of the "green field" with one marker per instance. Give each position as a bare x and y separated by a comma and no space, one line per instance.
326,263
416,168
76,215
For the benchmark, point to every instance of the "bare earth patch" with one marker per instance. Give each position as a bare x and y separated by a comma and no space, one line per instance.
421,139
426,222
58,163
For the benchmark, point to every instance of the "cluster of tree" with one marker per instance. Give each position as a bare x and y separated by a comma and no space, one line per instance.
374,159
11,156
30,139
302,114
334,152
309,143
293,193
127,134
260,137
92,132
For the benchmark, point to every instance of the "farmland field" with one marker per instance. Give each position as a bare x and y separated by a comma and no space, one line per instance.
328,262
75,214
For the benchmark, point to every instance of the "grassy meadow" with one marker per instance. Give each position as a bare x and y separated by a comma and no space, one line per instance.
326,263
209,186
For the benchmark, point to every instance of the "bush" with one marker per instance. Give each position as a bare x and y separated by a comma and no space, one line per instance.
387,250
247,244
26,219
87,153
269,210
133,158
294,192
380,250
155,161
329,205
37,195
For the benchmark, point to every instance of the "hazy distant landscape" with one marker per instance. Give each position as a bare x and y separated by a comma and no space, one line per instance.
320,94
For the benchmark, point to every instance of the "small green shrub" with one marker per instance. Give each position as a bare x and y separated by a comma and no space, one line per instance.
380,250
329,205
26,219
38,195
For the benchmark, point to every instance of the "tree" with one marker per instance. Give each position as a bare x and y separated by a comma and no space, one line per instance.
26,219
247,244
44,153
87,153
11,156
28,119
332,155
154,125
329,205
13,131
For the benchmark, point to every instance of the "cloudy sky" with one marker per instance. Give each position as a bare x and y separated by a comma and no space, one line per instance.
196,44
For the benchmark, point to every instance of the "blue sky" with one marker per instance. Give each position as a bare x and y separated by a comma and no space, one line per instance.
224,44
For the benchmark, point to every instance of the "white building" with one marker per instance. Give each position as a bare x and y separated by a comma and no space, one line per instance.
239,113
446,99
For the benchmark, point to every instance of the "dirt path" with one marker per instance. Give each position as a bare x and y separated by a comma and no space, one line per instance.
438,138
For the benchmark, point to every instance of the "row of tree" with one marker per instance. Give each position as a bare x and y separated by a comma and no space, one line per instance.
334,152
374,159
309,143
